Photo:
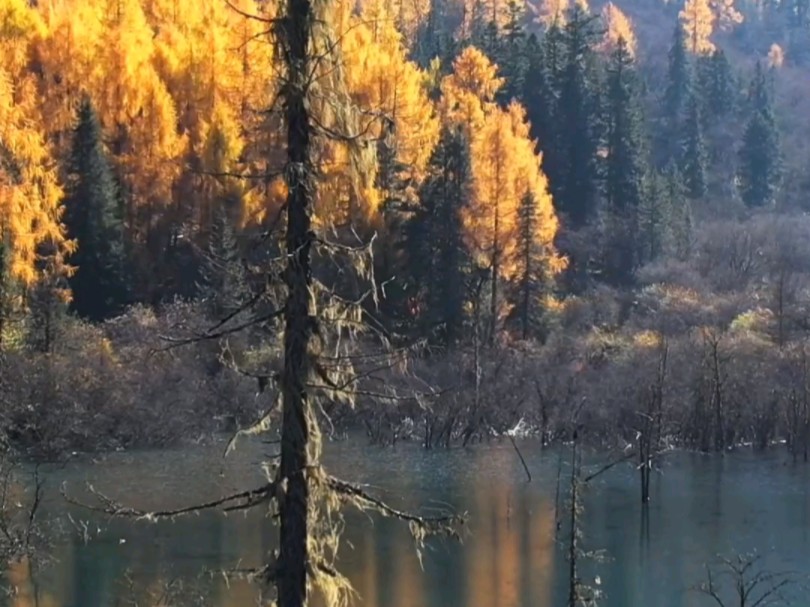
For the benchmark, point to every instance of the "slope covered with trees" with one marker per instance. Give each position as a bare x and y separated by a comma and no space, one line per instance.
543,181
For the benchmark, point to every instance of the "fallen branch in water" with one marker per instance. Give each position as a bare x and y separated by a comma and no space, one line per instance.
238,501
446,524
522,461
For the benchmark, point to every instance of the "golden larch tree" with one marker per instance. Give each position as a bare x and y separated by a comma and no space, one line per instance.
69,67
776,56
468,93
30,196
381,77
726,14
617,26
505,169
405,15
698,20
482,12
548,12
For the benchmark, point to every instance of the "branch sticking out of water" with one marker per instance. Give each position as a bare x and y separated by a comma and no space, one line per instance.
243,500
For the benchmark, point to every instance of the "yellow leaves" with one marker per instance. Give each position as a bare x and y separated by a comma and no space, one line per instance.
387,99
154,147
19,24
776,56
549,12
482,11
405,15
698,20
647,339
468,93
726,14
617,27
383,80
29,193
505,166
505,169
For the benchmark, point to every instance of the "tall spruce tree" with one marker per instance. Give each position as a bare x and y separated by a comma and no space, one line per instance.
760,168
513,57
224,287
679,224
437,260
624,165
93,218
540,98
676,98
652,218
533,277
717,85
576,188
693,152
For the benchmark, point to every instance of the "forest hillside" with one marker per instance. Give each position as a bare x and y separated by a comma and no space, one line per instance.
573,210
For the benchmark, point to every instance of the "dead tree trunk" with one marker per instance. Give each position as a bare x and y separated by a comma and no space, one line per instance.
573,542
650,433
291,576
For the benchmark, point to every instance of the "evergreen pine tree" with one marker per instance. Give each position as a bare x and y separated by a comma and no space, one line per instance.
624,170
514,57
717,84
575,192
652,218
47,302
625,144
676,97
693,155
433,41
679,225
533,279
223,286
437,261
760,168
93,218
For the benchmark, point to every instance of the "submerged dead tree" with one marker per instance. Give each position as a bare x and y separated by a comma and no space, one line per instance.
322,360
298,426
649,434
740,581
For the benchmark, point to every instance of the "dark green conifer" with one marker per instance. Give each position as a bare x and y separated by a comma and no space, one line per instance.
223,286
693,154
575,191
624,166
760,168
437,261
92,217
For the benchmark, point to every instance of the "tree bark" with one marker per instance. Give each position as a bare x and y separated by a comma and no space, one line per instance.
291,581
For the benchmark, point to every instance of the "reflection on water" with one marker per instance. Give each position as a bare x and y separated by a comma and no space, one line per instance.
509,558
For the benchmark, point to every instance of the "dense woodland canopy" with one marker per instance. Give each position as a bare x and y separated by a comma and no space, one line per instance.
575,180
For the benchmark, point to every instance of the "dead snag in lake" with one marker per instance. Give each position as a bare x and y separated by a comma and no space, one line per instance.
580,594
649,432
333,350
740,581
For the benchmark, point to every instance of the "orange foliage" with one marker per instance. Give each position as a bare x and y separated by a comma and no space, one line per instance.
726,14
505,168
468,93
29,191
182,98
698,21
549,12
405,15
617,27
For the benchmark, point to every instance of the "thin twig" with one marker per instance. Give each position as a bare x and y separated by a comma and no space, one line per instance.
109,506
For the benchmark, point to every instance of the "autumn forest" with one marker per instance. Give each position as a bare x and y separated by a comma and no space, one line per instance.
568,200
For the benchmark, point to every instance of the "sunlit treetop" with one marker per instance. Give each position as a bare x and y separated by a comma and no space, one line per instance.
617,26
698,20
469,91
